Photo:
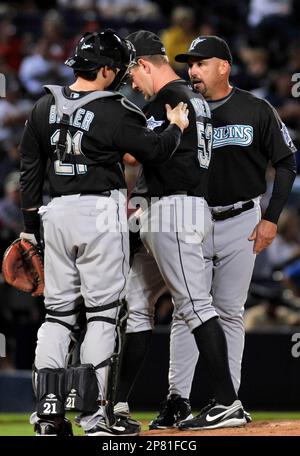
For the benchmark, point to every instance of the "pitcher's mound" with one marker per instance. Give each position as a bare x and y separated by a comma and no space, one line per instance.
267,428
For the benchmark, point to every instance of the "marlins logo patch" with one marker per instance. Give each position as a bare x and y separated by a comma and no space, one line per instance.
286,137
87,46
195,42
152,123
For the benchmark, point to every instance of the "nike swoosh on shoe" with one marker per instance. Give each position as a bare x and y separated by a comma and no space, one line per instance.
219,415
118,428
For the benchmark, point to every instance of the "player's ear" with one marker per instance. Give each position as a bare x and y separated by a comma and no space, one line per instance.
105,71
145,64
101,72
223,67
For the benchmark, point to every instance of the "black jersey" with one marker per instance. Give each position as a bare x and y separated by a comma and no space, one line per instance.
187,169
247,134
102,130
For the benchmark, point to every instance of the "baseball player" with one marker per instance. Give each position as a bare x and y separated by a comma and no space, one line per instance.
80,133
248,134
172,229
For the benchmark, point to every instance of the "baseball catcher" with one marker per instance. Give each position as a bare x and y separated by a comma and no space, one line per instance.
77,135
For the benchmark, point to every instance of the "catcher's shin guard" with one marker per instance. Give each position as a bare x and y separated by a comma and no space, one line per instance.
112,376
50,392
111,364
110,388
82,387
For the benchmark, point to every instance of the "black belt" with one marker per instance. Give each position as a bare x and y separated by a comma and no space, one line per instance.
106,193
172,194
154,198
185,193
232,212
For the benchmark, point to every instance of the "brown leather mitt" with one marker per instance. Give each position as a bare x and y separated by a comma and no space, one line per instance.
23,267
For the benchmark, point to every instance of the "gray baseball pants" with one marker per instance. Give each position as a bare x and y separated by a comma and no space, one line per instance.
86,255
229,263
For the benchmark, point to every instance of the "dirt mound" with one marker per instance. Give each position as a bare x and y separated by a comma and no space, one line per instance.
263,428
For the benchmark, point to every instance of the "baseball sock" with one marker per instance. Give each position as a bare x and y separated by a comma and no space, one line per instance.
211,343
135,349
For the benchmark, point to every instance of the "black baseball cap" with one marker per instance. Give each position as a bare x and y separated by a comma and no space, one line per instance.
146,43
206,47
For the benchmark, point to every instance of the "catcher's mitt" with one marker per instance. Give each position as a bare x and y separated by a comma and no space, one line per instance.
23,267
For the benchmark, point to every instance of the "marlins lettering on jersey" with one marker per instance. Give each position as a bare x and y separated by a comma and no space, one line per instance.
230,135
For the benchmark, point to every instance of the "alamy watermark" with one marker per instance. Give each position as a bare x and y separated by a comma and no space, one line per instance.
296,86
2,86
296,347
174,213
2,346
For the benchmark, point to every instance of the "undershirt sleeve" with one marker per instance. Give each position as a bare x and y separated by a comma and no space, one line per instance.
286,170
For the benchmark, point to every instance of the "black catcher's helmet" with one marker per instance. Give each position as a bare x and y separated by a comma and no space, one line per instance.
95,50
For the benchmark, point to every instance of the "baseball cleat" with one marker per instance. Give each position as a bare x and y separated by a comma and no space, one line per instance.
56,427
121,411
174,410
247,416
122,427
78,418
216,416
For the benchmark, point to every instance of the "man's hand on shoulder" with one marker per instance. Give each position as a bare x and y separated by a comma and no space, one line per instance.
178,115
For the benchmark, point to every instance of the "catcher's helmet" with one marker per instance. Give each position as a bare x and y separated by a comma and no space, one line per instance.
95,50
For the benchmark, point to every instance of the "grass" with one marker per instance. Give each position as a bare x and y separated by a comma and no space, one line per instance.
17,424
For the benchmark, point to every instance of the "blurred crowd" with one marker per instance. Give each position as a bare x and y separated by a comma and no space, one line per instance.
35,39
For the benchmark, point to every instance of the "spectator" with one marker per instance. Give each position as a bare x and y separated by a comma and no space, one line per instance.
130,10
180,34
53,32
11,46
13,112
262,9
285,247
11,222
256,66
40,68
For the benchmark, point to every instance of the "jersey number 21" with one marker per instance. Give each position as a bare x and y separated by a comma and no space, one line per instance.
73,146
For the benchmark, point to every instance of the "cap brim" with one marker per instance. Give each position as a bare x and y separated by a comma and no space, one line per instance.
70,61
183,58
78,63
